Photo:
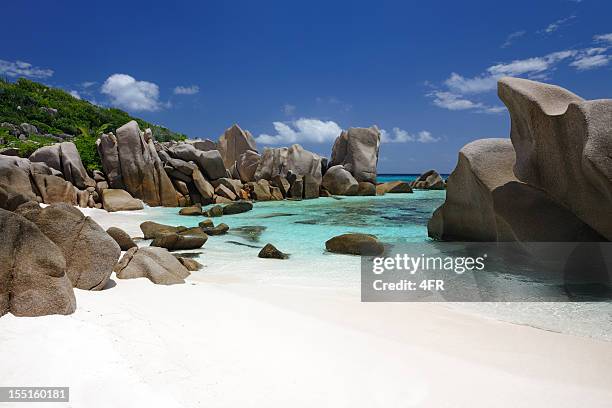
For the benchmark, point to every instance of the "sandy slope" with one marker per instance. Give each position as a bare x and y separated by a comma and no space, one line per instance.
219,342
216,345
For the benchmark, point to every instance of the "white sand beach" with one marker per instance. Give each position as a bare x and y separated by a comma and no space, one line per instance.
222,342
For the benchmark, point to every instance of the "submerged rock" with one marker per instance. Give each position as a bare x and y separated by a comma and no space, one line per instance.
250,232
270,251
216,230
237,207
355,244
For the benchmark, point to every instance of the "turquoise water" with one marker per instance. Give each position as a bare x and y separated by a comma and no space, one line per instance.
300,228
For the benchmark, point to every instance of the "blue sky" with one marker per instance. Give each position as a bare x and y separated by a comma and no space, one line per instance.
292,71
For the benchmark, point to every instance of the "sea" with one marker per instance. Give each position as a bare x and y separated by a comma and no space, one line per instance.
301,228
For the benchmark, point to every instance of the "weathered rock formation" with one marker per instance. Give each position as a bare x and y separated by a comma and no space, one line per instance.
233,143
339,181
357,150
563,146
33,279
281,160
156,264
119,200
122,238
90,253
64,157
131,157
486,202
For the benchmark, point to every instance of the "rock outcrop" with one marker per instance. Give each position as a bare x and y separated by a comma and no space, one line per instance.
33,279
90,253
233,143
357,150
156,264
563,146
209,162
247,164
281,160
64,157
486,202
131,157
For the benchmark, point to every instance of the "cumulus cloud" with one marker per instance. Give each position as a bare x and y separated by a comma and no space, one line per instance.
303,130
398,135
75,94
186,90
23,69
126,92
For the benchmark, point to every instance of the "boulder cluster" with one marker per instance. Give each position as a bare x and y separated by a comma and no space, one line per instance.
551,181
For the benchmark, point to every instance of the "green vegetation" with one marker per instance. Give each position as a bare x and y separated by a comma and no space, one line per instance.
25,101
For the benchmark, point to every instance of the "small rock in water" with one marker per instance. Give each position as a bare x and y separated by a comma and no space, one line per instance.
207,223
218,230
270,251
355,244
237,207
193,210
214,211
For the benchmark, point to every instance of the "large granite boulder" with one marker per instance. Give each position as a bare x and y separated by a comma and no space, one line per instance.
10,199
485,202
355,244
339,181
233,143
65,158
156,264
109,155
204,145
140,168
247,164
54,189
119,200
206,190
89,251
210,162
175,241
33,279
563,146
357,150
281,160
15,173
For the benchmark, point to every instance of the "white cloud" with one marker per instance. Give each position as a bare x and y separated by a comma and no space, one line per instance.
552,27
603,38
302,130
451,101
288,109
186,90
512,37
591,62
23,69
398,135
88,84
126,92
75,94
